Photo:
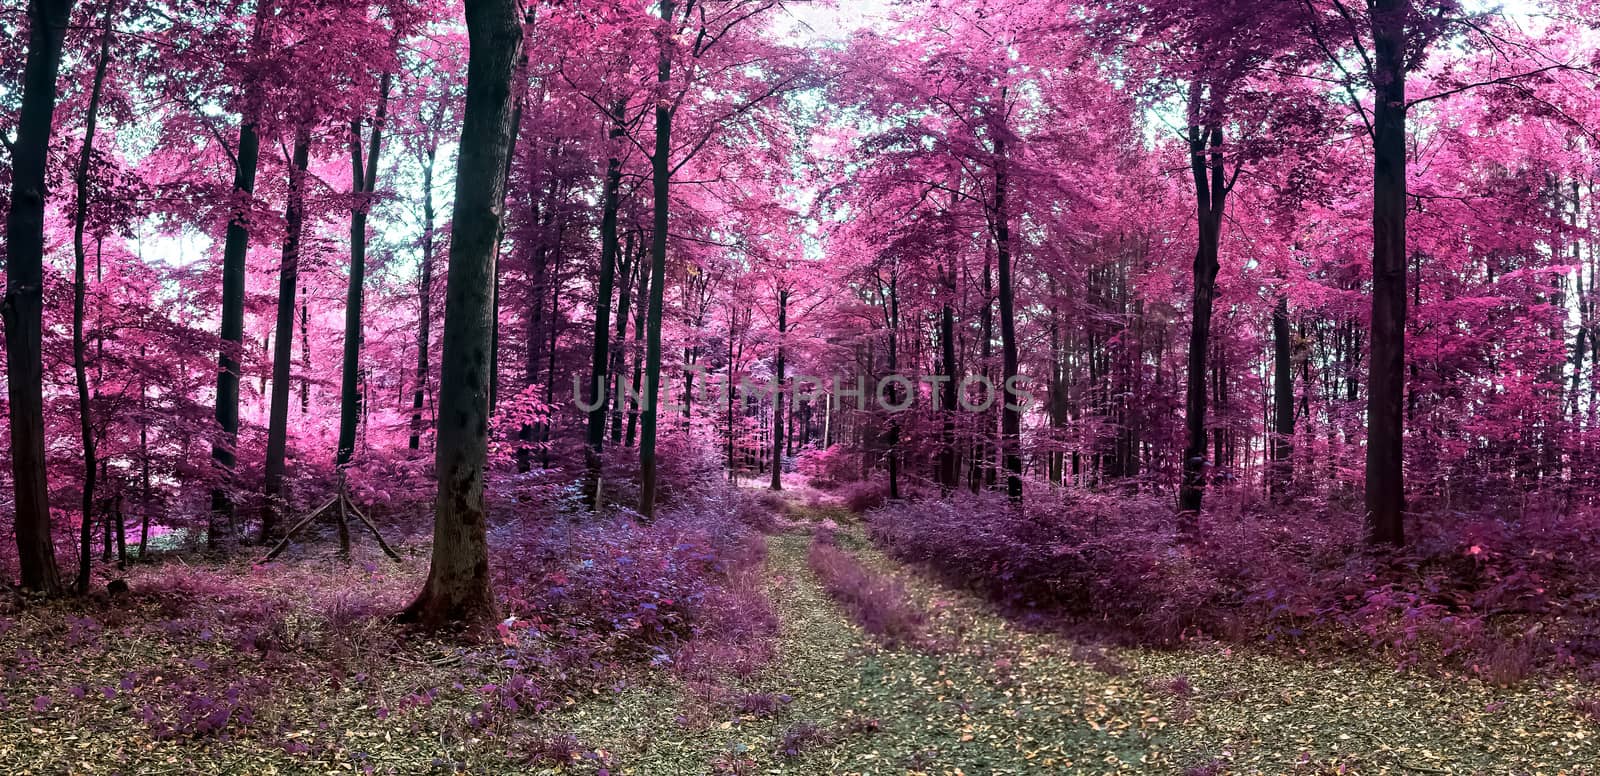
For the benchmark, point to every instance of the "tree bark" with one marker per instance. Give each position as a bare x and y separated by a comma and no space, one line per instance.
24,302
363,184
457,590
1011,413
80,372
424,301
661,168
1282,400
283,338
234,252
1210,201
1386,383
630,268
779,393
609,245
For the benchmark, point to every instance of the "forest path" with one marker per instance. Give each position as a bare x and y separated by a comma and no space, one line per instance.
997,699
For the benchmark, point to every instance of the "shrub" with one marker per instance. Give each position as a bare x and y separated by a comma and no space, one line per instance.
1467,591
862,497
880,606
829,467
679,592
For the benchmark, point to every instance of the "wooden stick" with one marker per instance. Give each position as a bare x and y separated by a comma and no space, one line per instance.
296,529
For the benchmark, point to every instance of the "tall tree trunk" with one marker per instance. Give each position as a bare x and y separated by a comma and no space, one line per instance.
234,251
733,319
80,372
363,184
629,269
982,467
1386,382
947,365
144,463
639,309
424,301
602,314
283,338
661,169
1210,192
305,351
499,239
779,394
457,589
1282,400
24,303
1011,411
892,435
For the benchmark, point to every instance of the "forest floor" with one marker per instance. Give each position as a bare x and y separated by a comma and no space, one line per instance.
982,696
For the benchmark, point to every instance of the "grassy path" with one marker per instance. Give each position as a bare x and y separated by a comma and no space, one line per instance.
997,700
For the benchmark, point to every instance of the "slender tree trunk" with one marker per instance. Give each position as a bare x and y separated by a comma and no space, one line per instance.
24,303
424,301
602,316
1283,400
892,436
80,218
283,338
982,469
661,168
144,463
733,318
1210,200
1386,383
305,351
629,269
639,309
779,393
236,244
499,239
947,358
457,589
363,183
1011,411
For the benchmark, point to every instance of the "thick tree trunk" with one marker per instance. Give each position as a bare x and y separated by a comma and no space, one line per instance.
609,244
80,371
457,590
1282,400
1011,411
661,169
24,301
1386,383
363,183
1210,201
235,247
424,301
283,339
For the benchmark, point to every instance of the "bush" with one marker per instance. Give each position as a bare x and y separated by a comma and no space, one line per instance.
829,467
862,497
880,606
1468,592
680,591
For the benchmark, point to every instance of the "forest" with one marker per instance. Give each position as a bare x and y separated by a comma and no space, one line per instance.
751,387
